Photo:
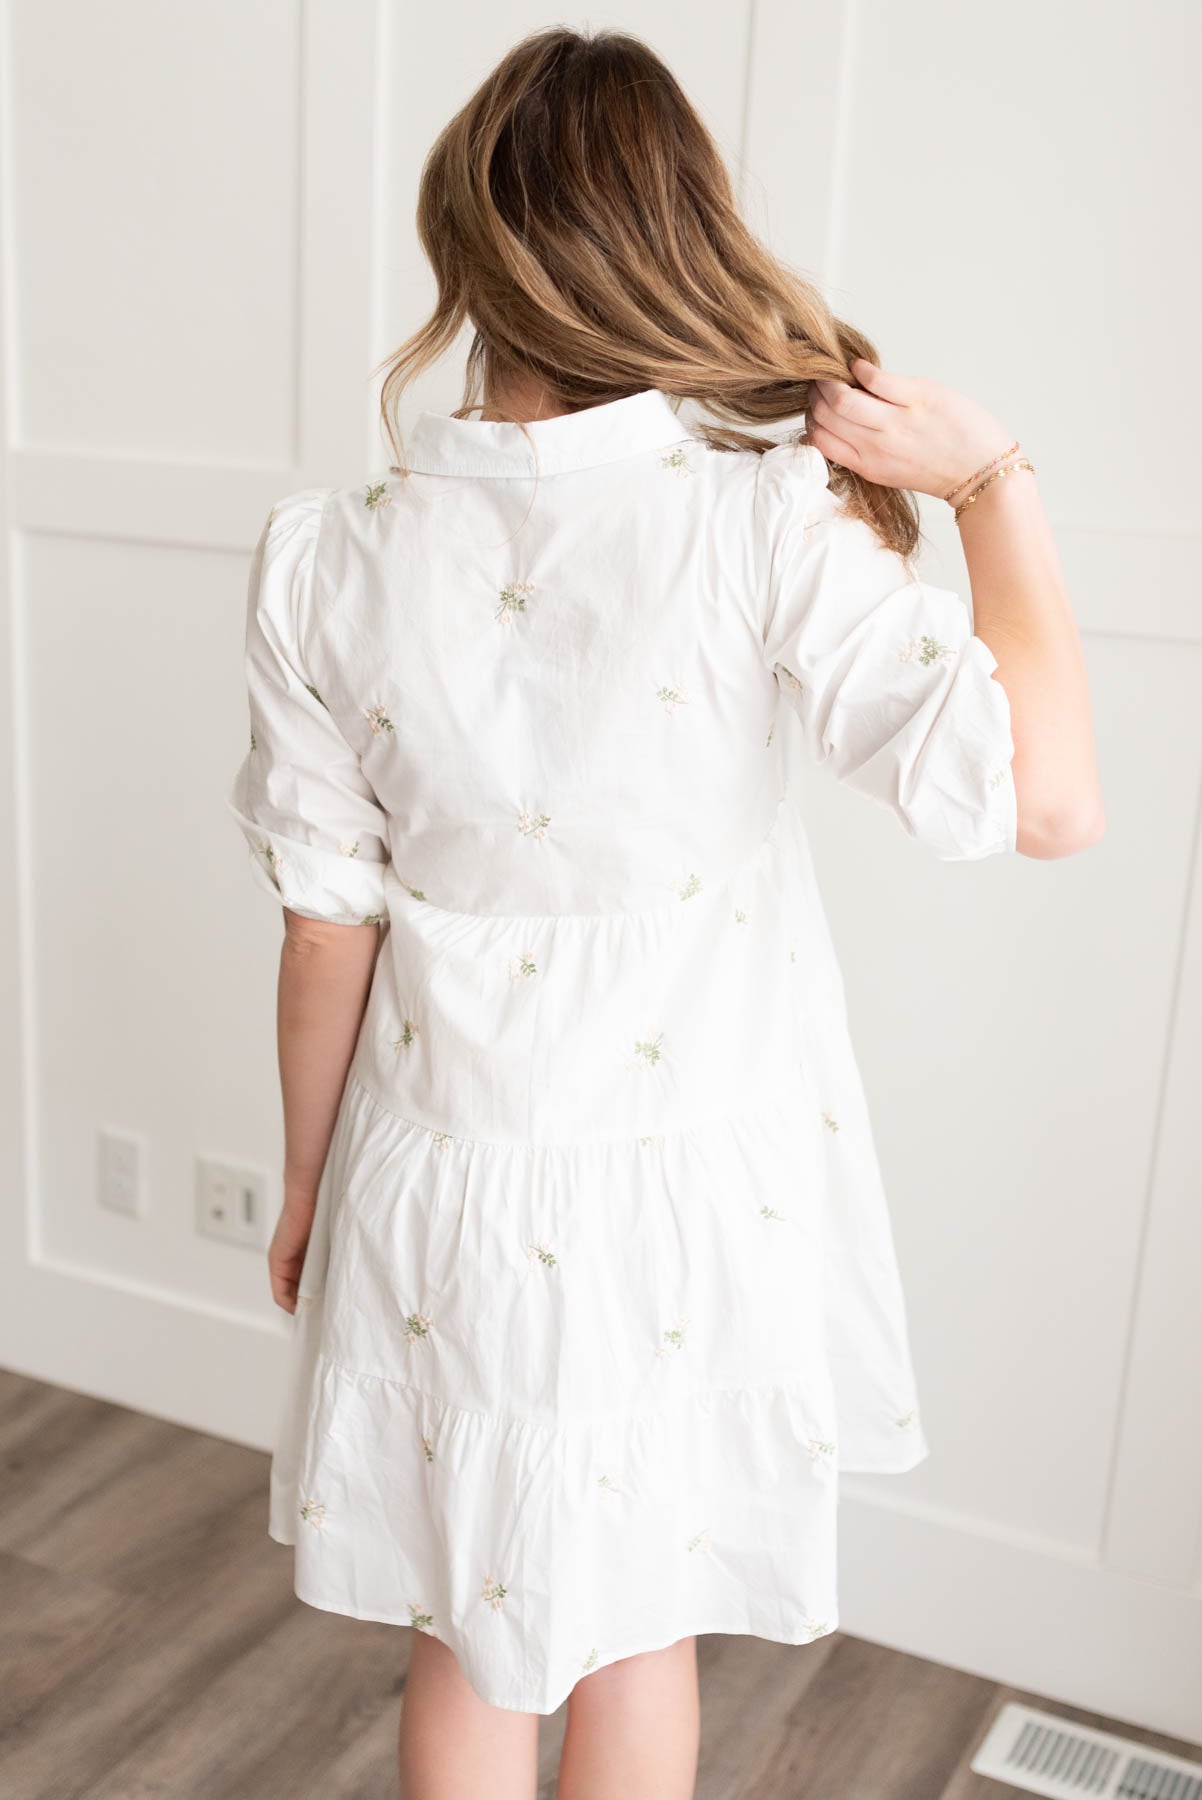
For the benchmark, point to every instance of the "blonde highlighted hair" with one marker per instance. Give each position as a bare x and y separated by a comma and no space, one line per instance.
578,216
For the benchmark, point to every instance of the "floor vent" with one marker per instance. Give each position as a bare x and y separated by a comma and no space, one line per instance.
1042,1754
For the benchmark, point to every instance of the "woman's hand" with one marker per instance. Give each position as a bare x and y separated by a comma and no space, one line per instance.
287,1250
902,431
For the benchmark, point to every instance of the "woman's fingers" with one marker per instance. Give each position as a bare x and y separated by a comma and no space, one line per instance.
899,390
854,407
834,448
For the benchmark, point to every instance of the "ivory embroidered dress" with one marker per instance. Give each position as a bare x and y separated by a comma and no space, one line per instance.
601,1293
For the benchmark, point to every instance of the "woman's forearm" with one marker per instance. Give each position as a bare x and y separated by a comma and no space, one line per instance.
903,431
1022,611
324,980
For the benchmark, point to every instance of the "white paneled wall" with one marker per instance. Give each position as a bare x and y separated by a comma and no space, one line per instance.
208,241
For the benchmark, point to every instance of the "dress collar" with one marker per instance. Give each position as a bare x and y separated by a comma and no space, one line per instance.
598,434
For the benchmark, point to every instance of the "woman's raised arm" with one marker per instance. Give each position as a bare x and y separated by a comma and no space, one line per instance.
910,433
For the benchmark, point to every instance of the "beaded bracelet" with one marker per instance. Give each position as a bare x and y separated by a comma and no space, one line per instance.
983,470
1008,470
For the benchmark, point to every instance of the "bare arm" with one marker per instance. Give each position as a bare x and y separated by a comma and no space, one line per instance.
324,980
906,432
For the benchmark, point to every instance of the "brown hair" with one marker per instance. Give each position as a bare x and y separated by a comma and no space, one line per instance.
576,212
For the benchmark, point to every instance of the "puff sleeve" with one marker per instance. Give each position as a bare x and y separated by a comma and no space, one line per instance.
317,835
892,687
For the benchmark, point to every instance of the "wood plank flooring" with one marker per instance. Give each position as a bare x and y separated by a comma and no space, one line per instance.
152,1648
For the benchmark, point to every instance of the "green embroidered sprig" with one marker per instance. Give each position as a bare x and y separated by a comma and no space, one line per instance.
513,600
926,650
494,1592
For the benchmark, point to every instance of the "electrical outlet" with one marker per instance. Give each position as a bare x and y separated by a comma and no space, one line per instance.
231,1202
121,1172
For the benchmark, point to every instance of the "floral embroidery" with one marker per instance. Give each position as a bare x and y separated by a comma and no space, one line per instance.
650,1050
830,1121
926,650
349,849
305,1299
408,1032
373,918
310,689
655,1138
770,1212
700,1540
419,1618
590,1661
609,1484
792,953
377,718
790,680
521,966
674,1338
441,1139
740,916
820,1450
254,742
672,697
908,1420
678,461
816,1628
771,735
428,1449
377,495
417,1325
533,825
540,1253
274,863
691,887
513,600
494,1592
313,1513
413,893
995,780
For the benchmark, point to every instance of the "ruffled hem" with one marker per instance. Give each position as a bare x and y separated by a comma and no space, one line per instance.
539,1554
726,1625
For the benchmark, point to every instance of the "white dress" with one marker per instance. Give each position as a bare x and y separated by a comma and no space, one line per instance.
601,1291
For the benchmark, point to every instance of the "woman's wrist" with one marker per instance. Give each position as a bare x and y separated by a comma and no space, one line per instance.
955,494
1012,463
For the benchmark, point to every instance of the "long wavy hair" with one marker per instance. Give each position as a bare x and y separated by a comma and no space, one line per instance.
578,216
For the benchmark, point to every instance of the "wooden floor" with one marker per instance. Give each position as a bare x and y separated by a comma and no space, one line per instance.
151,1645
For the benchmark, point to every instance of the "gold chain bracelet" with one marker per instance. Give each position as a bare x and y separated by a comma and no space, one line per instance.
1008,470
983,470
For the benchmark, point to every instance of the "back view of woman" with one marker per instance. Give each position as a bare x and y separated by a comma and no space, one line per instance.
594,1285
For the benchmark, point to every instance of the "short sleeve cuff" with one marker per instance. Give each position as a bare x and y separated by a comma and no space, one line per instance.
340,889
968,775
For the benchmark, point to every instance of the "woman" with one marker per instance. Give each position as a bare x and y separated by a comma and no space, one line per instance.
583,1227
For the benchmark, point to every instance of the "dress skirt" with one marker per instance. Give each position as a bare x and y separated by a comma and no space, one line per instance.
558,1403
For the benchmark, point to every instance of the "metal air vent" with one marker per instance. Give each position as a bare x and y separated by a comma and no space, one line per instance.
1043,1754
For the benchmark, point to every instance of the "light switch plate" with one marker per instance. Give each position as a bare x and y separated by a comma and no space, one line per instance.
232,1202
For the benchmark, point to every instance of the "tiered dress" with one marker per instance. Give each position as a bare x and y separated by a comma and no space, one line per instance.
601,1293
